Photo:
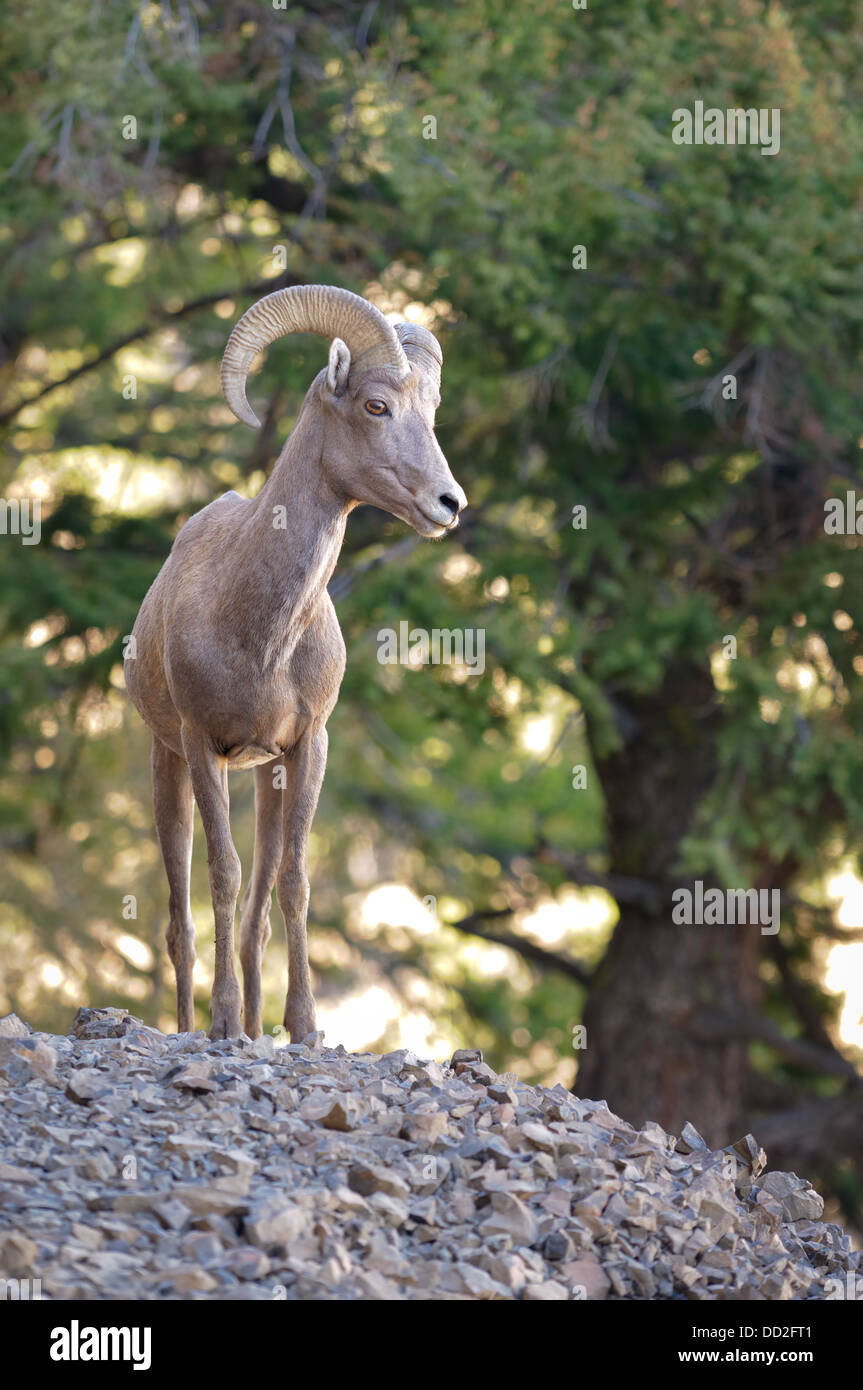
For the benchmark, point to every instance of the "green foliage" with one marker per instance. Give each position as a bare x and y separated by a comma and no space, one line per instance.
599,387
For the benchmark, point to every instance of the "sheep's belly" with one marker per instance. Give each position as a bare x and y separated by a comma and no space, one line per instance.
250,756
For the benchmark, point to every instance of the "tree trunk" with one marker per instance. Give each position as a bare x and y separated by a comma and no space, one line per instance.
649,1051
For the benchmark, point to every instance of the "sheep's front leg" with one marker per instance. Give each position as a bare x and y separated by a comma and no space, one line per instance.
305,773
210,784
174,809
255,916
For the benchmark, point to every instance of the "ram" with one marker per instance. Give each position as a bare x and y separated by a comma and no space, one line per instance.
237,655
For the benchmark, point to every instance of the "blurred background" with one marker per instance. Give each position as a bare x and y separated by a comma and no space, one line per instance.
494,855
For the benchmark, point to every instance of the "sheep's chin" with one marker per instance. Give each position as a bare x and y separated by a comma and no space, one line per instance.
430,532
424,525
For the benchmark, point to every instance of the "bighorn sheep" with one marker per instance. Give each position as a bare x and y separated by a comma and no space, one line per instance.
238,656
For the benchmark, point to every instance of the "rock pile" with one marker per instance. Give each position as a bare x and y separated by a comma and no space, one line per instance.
133,1163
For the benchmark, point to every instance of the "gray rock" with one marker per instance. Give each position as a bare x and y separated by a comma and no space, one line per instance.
344,1114
137,1164
547,1290
275,1222
102,1023
557,1246
510,1216
12,1027
86,1084
18,1255
247,1263
465,1054
690,1140
798,1200
26,1059
367,1178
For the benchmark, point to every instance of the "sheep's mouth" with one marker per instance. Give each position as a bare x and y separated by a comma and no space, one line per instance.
435,529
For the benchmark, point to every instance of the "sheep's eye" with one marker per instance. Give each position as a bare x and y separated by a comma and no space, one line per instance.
377,408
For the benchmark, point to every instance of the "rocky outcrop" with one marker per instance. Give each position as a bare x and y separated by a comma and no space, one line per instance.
139,1164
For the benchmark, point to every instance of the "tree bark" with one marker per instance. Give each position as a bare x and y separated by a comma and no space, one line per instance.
647,1052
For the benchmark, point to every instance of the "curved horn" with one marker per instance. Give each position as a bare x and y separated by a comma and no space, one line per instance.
323,309
421,347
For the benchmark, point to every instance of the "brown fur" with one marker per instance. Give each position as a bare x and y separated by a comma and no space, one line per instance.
238,659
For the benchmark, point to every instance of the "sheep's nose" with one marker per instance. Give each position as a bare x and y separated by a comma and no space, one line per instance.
447,500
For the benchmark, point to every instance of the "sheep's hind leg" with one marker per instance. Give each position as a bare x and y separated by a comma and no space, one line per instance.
210,783
255,928
174,809
305,772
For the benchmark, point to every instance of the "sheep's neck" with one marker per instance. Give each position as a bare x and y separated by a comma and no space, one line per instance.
293,543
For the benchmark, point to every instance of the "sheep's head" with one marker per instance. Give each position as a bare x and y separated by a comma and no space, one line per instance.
377,399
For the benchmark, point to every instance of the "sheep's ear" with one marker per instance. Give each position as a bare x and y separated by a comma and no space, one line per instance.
338,367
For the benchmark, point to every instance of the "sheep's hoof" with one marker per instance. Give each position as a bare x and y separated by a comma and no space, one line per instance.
224,1027
300,1027
225,1020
